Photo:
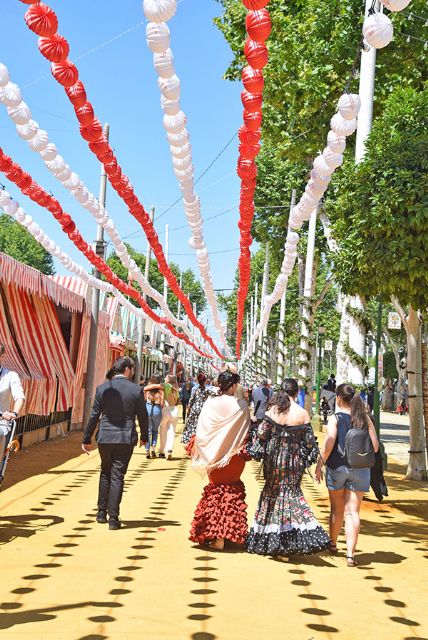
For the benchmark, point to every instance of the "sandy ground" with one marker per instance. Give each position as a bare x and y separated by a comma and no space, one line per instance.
65,576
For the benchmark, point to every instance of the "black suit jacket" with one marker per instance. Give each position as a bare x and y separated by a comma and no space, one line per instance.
118,402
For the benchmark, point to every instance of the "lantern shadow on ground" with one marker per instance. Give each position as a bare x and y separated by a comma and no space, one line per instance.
25,526
10,620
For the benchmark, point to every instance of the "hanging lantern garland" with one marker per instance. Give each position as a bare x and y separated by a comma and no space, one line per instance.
42,20
37,194
258,27
55,163
158,41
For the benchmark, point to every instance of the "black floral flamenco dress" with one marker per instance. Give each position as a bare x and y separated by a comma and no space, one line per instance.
284,523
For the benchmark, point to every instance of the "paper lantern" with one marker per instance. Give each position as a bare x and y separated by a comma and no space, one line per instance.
171,107
396,5
247,168
249,150
183,174
76,94
10,95
332,159
55,48
252,102
342,127
4,75
315,189
349,105
258,25
159,10
170,87
158,37
175,124
182,163
40,141
248,137
92,131
50,152
72,182
20,114
181,152
256,54
4,197
255,5
12,207
253,79
101,149
85,113
28,130
65,73
336,143
321,166
41,19
164,63
378,30
253,121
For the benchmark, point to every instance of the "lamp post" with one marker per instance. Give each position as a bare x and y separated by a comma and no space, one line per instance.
321,332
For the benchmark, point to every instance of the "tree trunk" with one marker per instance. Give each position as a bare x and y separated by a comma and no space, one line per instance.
342,357
357,342
424,357
417,469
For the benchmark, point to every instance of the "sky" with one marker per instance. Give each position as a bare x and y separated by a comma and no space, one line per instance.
122,85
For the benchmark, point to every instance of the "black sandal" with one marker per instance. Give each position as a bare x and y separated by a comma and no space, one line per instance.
333,549
351,561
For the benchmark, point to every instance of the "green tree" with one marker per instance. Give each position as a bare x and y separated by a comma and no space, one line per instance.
18,243
190,285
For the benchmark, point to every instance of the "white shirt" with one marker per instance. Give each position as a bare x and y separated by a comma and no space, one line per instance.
10,389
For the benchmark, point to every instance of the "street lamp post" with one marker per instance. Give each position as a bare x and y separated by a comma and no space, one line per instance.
321,331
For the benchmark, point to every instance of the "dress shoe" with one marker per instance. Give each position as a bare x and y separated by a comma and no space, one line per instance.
114,524
101,517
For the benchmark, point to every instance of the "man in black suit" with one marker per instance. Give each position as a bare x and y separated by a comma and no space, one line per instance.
118,401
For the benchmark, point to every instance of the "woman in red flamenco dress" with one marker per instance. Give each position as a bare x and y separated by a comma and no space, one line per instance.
218,450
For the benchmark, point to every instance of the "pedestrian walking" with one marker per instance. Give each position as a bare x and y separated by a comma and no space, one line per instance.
346,484
12,400
185,394
169,420
218,450
200,393
154,396
118,402
284,523
261,396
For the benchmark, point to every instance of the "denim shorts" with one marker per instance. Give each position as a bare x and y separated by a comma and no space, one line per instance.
346,478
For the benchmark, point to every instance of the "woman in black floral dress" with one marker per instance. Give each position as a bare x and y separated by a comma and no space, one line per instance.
194,408
284,523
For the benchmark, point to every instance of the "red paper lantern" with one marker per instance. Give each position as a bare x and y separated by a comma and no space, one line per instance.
41,19
244,225
25,182
247,168
92,131
249,150
253,121
65,73
254,5
5,162
111,167
252,102
55,48
101,148
85,113
253,79
249,183
258,25
29,1
76,94
256,54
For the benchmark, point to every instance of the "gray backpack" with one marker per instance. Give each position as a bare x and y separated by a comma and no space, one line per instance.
359,452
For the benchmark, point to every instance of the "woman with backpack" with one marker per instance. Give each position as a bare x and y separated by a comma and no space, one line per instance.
154,397
348,454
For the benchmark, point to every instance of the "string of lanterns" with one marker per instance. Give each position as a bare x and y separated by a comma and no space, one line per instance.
158,41
258,26
38,140
16,212
37,194
378,33
42,20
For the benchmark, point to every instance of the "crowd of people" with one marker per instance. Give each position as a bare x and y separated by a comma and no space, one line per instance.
225,426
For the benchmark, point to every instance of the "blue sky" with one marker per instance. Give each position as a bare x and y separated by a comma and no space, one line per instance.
121,84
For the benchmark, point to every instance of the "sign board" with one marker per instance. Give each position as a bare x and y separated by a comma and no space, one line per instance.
380,370
394,320
328,345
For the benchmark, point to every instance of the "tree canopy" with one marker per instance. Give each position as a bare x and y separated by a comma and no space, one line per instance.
18,243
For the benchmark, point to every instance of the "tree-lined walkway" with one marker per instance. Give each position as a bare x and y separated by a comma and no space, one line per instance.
64,575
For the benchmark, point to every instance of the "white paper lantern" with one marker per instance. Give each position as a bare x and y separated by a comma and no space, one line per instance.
178,139
181,152
12,207
56,165
40,141
171,107
72,182
333,160
315,190
342,127
182,174
50,152
378,30
187,188
4,197
181,163
159,10
396,5
336,143
83,196
164,63
10,95
175,124
158,37
319,179
19,114
28,130
349,105
4,75
292,238
170,87
321,166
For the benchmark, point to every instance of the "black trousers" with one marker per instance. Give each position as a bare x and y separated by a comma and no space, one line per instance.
114,464
184,405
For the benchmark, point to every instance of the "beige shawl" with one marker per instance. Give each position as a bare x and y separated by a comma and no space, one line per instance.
221,432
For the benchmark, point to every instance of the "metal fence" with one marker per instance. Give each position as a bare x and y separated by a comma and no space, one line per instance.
31,422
